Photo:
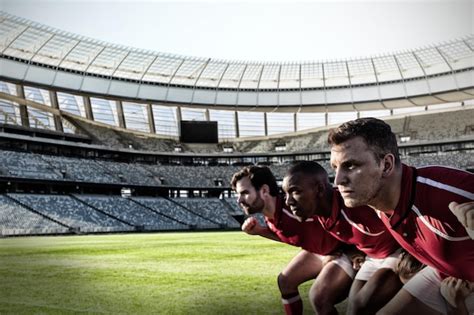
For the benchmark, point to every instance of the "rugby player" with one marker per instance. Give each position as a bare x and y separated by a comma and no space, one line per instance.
310,196
257,192
428,210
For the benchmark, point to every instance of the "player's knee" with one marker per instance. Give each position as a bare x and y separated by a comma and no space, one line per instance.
282,281
285,284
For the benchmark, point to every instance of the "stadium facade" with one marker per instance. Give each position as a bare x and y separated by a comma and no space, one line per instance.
85,122
151,91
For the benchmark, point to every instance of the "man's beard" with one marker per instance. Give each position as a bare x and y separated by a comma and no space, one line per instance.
256,206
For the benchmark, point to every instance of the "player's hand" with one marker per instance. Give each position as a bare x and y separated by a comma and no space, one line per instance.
455,290
464,212
251,226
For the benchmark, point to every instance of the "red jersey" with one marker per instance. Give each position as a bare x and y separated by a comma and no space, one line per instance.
425,227
308,235
360,226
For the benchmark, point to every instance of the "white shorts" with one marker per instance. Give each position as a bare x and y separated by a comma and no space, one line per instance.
371,265
345,263
425,286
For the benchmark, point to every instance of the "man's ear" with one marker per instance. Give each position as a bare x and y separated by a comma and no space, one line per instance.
388,164
265,190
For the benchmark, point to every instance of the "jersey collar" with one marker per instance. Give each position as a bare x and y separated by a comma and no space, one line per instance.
407,196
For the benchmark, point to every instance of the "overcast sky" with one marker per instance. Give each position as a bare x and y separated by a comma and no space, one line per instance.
258,30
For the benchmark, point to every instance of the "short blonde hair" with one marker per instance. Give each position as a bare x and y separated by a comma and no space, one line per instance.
408,266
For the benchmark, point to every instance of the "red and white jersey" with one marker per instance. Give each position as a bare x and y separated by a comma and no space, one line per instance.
308,235
360,226
425,227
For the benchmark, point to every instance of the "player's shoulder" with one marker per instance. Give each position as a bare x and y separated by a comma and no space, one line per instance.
442,173
439,170
446,178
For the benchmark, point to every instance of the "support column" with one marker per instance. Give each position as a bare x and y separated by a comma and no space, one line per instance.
58,123
295,122
88,107
121,117
151,118
236,122
25,121
265,123
178,120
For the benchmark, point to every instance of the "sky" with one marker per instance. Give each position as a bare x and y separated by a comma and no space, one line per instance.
258,30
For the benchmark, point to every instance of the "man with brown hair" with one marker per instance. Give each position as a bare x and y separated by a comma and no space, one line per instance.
414,204
257,192
310,195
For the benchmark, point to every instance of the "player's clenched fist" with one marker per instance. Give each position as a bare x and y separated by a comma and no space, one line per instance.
455,290
464,212
251,226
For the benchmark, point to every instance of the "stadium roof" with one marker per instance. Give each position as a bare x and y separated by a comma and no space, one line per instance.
36,53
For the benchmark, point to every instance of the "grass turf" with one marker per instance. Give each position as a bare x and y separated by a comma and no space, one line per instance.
165,273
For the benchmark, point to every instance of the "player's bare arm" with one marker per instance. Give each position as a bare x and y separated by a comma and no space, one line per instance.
455,292
465,214
252,227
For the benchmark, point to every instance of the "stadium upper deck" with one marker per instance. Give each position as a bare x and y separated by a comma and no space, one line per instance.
37,54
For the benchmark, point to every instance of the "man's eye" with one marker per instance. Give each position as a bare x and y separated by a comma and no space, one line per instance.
350,166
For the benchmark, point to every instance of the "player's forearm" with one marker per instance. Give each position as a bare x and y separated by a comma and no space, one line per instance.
267,233
460,309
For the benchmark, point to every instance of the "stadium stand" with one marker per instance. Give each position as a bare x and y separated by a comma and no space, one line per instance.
60,168
18,220
132,212
71,212
89,141
210,208
27,165
177,212
421,126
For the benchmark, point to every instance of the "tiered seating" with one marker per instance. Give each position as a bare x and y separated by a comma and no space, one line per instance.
211,208
422,126
255,146
155,144
300,143
175,211
461,160
131,212
130,173
71,212
398,125
17,220
189,176
445,125
27,165
100,135
124,139
207,148
233,206
86,170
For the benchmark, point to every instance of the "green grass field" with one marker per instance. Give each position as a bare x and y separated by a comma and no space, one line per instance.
165,273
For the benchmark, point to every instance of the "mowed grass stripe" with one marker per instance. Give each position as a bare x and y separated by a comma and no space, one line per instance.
167,273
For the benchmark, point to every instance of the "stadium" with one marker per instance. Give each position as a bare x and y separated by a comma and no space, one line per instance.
116,162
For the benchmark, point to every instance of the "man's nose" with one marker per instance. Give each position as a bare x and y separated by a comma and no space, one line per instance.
340,178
